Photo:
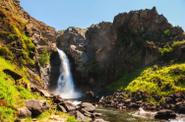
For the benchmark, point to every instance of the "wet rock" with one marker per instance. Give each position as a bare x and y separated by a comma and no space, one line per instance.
97,114
24,112
36,107
165,114
133,106
88,107
180,108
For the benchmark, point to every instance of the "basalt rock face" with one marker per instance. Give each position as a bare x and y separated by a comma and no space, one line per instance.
103,52
25,40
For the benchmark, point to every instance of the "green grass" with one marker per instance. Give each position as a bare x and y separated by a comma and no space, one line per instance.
123,82
156,80
6,114
44,57
71,119
27,47
45,116
162,81
13,95
5,52
153,80
168,48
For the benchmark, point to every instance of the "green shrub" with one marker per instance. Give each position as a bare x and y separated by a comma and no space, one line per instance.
71,119
167,32
178,43
44,58
168,48
5,52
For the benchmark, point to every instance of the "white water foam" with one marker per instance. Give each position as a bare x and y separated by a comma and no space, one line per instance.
65,86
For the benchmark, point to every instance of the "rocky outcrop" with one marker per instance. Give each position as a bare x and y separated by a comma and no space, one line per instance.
24,112
36,107
83,111
32,40
103,52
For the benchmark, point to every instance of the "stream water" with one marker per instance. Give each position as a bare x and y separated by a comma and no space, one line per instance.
113,115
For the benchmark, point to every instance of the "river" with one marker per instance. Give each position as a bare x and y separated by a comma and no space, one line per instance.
113,115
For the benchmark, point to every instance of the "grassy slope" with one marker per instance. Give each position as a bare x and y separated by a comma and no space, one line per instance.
13,95
157,80
160,80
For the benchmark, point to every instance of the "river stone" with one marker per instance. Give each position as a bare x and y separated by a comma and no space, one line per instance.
133,106
165,114
88,106
97,114
180,108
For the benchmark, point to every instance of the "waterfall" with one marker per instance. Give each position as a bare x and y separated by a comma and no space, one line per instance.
65,85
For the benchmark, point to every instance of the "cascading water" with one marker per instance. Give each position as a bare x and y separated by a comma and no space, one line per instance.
65,86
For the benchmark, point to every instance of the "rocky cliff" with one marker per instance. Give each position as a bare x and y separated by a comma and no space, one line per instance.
104,52
25,40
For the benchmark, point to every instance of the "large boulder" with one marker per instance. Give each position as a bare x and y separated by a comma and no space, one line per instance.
36,107
88,107
180,108
68,105
24,112
165,114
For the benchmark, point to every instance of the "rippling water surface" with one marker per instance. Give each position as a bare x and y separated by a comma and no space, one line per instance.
113,115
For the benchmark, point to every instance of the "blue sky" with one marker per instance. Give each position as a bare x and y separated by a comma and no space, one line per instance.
82,13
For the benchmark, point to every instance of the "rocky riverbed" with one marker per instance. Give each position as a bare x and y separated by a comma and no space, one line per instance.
170,108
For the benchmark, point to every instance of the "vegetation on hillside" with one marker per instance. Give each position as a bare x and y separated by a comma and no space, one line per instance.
170,47
13,92
154,80
19,56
